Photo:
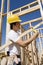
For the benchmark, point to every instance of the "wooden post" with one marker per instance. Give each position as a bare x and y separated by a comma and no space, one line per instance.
32,50
8,8
0,31
41,10
1,17
7,25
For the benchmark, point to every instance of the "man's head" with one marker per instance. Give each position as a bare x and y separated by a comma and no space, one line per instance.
15,26
14,22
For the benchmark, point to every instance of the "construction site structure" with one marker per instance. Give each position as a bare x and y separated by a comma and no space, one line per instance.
0,31
31,55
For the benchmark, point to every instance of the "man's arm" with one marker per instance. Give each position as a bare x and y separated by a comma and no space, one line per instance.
27,42
21,42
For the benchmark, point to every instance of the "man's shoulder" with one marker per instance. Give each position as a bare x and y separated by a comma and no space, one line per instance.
11,33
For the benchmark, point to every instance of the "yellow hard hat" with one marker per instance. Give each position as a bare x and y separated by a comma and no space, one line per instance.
13,18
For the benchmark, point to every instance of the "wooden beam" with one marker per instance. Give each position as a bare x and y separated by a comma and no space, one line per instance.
25,11
25,6
31,21
38,25
29,10
41,9
2,10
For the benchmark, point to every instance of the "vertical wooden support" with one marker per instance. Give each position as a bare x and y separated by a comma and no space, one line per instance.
32,49
7,25
1,17
22,52
40,43
0,30
22,56
41,10
29,59
8,8
34,52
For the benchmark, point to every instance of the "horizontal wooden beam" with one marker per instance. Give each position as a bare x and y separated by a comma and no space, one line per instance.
25,11
28,10
40,29
31,21
25,6
38,25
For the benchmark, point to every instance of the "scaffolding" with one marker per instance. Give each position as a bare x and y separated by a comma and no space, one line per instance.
29,55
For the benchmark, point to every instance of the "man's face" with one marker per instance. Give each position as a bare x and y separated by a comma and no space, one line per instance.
17,26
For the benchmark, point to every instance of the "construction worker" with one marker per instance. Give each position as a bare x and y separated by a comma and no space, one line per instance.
13,50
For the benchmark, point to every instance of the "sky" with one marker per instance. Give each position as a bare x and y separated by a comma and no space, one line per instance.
14,4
